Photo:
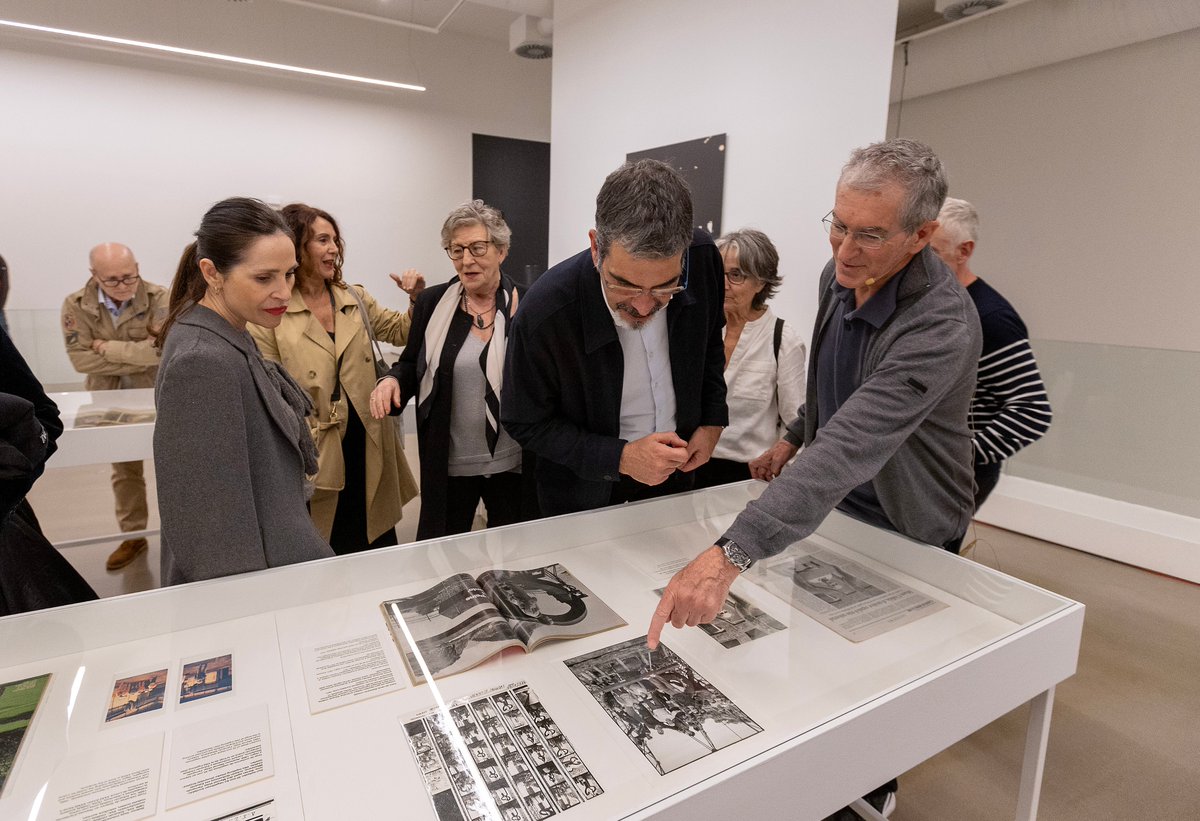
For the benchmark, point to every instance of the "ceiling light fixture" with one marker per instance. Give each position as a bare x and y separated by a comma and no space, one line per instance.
208,55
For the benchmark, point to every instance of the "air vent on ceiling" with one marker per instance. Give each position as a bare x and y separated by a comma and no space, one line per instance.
959,9
531,37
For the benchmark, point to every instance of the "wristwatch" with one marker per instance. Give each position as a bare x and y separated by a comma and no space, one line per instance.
737,557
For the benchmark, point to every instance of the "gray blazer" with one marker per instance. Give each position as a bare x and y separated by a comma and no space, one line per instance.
904,429
230,474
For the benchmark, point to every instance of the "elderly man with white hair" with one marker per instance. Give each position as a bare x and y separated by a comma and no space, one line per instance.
890,379
1010,408
108,327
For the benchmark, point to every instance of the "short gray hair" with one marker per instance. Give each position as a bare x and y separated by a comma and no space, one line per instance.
646,208
478,212
960,220
756,256
910,164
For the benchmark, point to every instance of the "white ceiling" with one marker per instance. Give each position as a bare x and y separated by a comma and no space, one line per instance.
490,19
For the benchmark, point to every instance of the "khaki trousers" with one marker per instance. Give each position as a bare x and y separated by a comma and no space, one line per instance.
129,489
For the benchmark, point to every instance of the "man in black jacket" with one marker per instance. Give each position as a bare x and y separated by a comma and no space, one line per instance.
613,376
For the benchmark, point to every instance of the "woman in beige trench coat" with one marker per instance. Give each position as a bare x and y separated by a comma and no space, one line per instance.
364,479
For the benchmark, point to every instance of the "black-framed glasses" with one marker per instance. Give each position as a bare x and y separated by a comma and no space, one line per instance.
475,249
119,281
737,276
863,239
633,292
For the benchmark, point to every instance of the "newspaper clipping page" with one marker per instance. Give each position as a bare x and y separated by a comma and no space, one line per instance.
846,597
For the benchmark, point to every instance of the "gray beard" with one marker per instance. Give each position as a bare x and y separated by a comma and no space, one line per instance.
623,319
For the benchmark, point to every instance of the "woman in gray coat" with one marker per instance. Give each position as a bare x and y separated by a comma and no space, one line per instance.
231,447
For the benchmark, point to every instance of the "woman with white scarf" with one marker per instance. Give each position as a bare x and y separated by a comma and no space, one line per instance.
454,364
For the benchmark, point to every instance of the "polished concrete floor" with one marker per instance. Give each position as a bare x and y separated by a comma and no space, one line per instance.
1124,739
76,504
1123,743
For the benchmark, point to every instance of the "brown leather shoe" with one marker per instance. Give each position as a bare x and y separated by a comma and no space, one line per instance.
129,550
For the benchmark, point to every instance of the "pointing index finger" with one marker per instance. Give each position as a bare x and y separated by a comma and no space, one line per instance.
662,614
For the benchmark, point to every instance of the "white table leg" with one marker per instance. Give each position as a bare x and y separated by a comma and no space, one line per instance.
1036,737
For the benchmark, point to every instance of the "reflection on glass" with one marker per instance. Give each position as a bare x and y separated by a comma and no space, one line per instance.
1123,424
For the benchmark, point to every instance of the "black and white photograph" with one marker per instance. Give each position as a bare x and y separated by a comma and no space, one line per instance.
830,583
538,601
463,621
670,713
513,770
848,598
739,622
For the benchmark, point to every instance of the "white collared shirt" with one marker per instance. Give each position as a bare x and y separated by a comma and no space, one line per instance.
648,389
763,393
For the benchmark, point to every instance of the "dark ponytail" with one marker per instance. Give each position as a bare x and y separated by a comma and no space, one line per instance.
187,288
228,229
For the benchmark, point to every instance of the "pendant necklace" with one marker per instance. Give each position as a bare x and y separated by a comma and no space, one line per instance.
478,318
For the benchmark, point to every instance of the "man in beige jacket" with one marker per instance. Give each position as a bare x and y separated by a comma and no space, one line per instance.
107,327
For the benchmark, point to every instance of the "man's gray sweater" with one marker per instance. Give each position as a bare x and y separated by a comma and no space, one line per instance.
904,429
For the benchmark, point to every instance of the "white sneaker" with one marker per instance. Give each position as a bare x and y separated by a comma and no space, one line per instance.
889,805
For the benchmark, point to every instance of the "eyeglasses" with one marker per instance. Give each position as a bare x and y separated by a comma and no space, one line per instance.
475,249
737,276
633,292
862,239
116,283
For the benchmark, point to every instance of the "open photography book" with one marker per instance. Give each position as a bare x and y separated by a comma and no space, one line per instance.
462,621
89,417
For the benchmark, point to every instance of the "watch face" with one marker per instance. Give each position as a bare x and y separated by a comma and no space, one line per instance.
737,557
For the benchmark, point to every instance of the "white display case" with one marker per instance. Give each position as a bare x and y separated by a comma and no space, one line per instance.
104,443
837,717
125,442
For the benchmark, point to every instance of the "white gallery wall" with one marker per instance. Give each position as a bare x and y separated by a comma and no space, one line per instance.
1082,170
794,85
1072,127
101,146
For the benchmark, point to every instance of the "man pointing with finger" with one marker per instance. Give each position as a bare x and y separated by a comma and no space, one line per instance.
892,371
613,375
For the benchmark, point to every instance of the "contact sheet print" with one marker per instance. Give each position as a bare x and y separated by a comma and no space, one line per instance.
499,754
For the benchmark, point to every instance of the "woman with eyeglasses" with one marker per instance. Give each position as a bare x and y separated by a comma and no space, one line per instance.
453,365
324,342
764,359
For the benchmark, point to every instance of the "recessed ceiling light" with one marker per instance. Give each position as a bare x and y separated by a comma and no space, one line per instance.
208,55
